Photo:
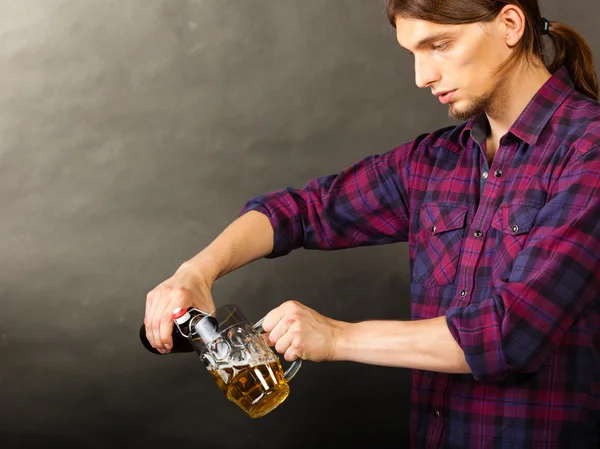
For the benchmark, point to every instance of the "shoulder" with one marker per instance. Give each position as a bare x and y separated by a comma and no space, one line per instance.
577,123
447,138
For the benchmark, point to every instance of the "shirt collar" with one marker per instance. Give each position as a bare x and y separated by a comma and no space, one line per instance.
534,117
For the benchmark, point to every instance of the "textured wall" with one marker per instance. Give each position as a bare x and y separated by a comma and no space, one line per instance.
131,133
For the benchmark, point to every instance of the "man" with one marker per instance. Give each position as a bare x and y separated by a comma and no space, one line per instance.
501,214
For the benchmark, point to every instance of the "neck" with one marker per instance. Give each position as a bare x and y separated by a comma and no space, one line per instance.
511,99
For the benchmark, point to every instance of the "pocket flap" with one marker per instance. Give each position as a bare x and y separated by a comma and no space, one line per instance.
436,218
515,218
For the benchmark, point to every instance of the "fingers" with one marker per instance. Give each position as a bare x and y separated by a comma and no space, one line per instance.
186,288
159,316
151,302
278,321
272,319
282,327
267,339
292,352
156,318
289,344
165,329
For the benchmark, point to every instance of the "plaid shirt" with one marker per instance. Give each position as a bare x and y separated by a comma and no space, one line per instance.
509,254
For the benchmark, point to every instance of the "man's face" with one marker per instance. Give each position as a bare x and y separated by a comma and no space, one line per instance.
457,62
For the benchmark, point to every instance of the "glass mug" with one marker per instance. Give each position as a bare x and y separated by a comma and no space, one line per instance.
239,359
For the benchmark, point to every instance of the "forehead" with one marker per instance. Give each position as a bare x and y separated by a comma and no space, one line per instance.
409,32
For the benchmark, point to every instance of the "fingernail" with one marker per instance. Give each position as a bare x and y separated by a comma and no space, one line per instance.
168,347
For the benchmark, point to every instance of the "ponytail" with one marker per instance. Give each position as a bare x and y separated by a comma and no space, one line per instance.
571,50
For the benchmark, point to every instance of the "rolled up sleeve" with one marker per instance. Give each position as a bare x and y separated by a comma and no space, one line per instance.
366,204
554,281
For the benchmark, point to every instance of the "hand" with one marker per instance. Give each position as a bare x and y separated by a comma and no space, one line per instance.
298,331
186,288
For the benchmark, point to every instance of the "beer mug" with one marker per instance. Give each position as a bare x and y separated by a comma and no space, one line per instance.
239,359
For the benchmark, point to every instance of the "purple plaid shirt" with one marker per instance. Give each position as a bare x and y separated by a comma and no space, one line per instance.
509,254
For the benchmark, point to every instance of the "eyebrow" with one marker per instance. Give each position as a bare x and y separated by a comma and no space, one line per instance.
431,39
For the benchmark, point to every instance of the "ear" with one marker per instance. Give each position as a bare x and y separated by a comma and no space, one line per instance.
512,20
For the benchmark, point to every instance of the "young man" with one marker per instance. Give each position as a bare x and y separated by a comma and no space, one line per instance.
501,214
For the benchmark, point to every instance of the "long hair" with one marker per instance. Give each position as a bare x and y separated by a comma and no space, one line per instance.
569,48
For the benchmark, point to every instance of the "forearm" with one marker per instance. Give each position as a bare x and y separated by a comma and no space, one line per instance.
424,344
248,238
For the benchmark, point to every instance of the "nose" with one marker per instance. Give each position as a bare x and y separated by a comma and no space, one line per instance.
425,73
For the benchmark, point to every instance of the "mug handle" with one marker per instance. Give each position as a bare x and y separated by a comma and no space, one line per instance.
296,364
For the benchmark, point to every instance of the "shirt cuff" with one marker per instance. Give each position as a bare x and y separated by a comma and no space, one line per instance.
477,330
282,244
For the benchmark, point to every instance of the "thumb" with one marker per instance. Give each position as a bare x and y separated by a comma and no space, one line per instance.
265,337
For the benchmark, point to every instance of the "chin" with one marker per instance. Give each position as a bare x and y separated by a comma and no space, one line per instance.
464,110
459,113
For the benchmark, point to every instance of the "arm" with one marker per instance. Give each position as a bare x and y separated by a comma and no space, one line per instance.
366,204
299,331
247,239
424,344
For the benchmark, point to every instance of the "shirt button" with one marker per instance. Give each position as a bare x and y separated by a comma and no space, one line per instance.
485,175
515,229
437,413
433,228
478,233
498,174
463,293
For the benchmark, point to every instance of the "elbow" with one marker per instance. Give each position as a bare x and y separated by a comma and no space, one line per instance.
528,360
504,363
497,347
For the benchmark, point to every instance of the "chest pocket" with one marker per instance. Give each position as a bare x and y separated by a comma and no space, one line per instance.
439,243
513,223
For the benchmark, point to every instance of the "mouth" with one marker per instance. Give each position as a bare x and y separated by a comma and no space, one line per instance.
445,96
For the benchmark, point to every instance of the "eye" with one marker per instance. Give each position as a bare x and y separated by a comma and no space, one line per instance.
440,46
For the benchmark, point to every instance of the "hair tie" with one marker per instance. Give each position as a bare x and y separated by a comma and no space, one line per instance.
545,26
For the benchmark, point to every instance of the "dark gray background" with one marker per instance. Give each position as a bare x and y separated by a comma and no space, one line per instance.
131,133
